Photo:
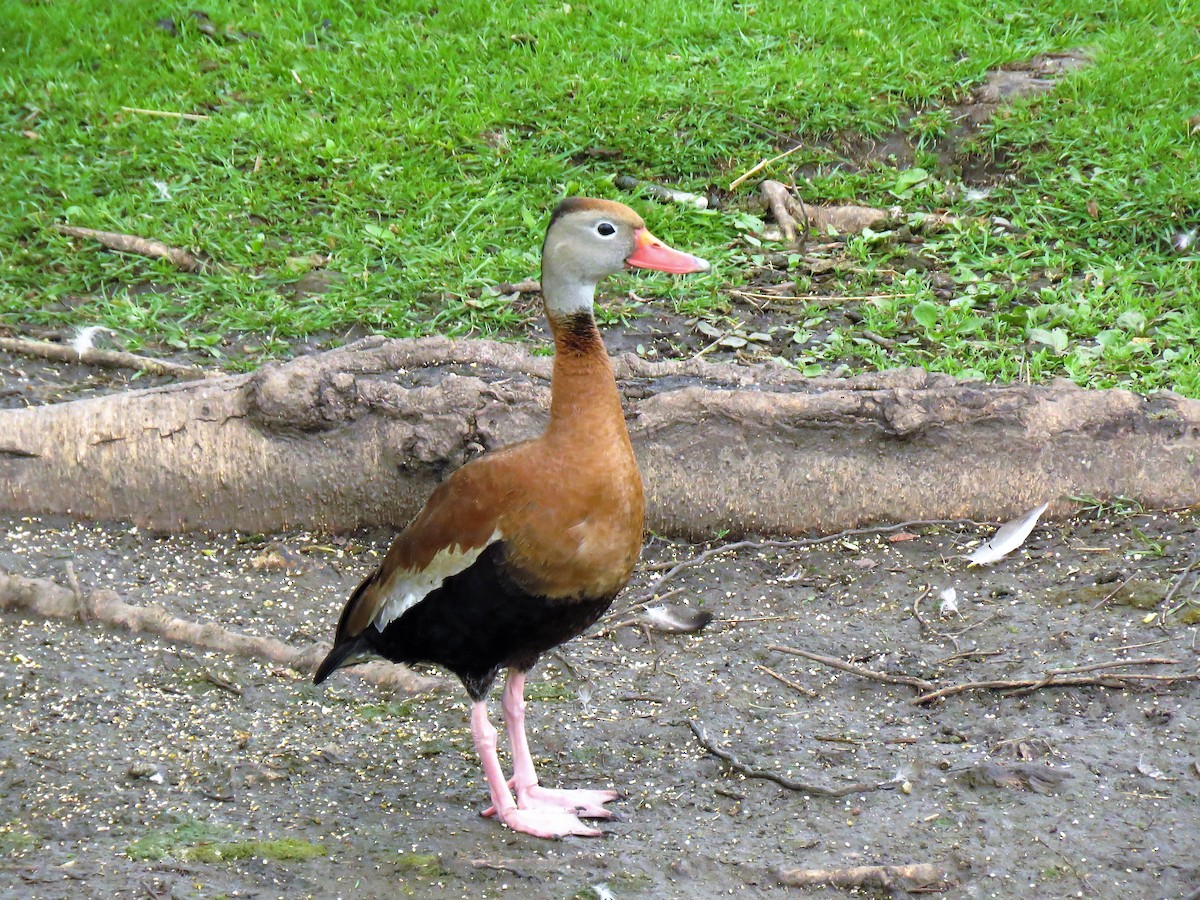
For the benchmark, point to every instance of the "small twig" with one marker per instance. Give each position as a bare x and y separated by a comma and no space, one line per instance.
1142,646
130,243
658,192
947,635
762,165
1116,664
1165,609
885,343
826,298
761,127
108,359
800,786
968,654
1115,591
220,681
166,114
1065,678
785,680
916,609
502,867
835,663
528,286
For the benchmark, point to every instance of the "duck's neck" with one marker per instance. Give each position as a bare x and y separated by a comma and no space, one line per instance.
583,389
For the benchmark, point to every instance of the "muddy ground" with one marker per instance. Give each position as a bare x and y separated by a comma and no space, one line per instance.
130,767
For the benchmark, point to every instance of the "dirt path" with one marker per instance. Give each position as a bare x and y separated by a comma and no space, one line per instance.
133,768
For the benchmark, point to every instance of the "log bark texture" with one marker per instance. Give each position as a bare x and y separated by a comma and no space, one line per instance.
360,436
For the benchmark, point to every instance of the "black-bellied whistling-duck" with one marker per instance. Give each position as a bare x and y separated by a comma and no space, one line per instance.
524,548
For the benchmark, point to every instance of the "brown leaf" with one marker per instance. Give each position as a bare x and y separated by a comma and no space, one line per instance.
1093,209
901,536
277,558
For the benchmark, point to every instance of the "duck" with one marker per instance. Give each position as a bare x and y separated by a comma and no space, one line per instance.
524,548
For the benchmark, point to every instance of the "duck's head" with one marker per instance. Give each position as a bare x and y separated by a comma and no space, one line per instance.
589,239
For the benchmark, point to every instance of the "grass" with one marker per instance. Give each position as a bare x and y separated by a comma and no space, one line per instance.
419,148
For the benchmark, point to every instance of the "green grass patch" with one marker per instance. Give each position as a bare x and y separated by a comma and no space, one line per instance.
410,152
192,840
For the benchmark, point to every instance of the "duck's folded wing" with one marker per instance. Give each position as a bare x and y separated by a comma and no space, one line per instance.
456,526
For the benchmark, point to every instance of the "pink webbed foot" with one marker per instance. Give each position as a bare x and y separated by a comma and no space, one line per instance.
546,822
586,804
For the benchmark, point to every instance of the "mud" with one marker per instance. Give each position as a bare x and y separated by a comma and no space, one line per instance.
134,768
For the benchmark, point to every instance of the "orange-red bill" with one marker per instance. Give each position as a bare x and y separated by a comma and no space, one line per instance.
651,253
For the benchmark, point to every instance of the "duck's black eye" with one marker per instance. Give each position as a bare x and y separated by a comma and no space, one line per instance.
606,229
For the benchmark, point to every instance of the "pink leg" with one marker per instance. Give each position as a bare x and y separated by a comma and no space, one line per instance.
545,823
588,804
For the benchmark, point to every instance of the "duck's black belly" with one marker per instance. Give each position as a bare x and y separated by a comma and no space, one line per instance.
480,621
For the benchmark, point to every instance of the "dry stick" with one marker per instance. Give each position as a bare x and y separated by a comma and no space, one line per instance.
762,165
835,663
791,544
50,600
129,243
502,867
917,875
191,117
800,786
1051,679
785,680
950,635
968,654
528,286
916,609
1115,591
1165,608
108,359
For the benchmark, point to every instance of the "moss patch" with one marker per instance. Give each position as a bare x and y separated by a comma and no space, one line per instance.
196,841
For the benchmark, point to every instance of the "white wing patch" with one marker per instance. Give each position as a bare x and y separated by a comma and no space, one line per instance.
409,588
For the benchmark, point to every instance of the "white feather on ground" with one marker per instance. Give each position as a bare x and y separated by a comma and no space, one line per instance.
1010,536
949,602
85,339
674,619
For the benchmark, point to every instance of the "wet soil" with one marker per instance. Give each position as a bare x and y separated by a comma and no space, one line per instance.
130,767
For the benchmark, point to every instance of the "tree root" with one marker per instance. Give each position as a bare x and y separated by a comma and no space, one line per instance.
361,436
109,359
50,600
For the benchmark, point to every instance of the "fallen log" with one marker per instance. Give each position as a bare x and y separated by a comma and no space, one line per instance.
359,436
